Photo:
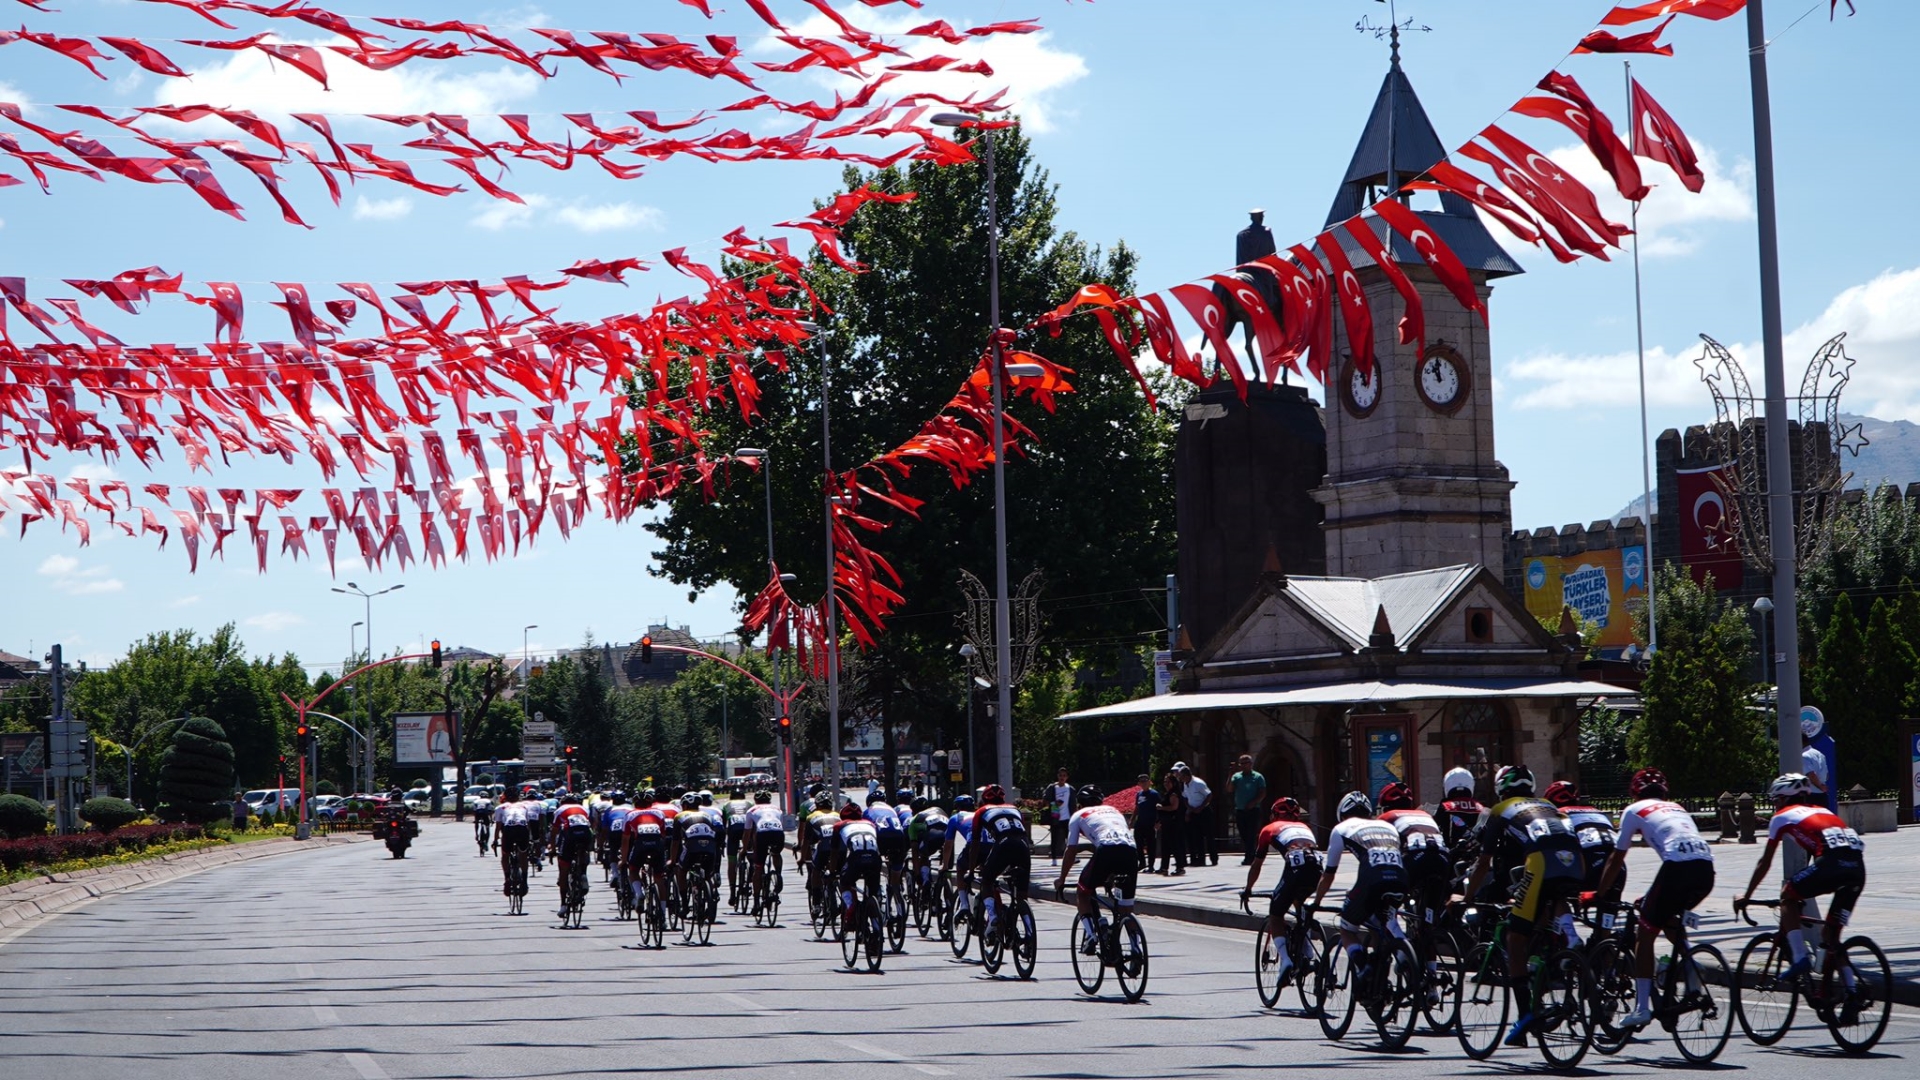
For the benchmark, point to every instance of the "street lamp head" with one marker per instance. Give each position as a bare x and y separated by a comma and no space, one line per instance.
353,584
968,652
788,579
953,119
1028,371
1763,605
808,325
530,626
750,453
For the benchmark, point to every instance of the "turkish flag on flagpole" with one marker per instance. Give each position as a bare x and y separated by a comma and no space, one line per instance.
1656,136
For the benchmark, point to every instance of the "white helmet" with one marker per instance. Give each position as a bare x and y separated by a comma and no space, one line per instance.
1457,779
1356,804
1788,785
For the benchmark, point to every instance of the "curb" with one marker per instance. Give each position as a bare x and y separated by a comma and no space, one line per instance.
27,901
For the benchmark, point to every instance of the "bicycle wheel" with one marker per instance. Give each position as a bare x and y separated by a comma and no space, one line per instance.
1311,954
819,913
939,917
709,912
922,907
850,945
1613,995
993,943
1868,1004
1399,1006
1440,985
896,922
1484,1001
1026,940
1763,1005
1130,967
874,928
656,924
1089,970
960,930
1266,967
1702,1019
1562,1022
1333,992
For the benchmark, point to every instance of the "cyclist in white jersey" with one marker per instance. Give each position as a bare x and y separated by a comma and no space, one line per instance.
1103,830
856,857
766,835
1685,877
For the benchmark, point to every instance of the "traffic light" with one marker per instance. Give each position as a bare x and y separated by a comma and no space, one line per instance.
567,752
785,724
436,654
646,648
302,736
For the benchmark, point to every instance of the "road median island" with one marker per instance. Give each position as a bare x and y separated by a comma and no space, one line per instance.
25,901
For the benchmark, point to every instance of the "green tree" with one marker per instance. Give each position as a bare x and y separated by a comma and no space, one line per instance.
1700,725
1604,755
1875,551
21,816
1866,743
196,775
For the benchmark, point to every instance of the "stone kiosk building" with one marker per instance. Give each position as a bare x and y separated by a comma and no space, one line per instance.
1402,653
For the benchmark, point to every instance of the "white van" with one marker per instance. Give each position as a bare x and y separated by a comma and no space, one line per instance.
272,800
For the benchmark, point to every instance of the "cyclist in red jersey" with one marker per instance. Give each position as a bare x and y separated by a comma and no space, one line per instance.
1837,864
1289,836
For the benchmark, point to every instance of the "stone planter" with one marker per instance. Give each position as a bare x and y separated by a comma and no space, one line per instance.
1871,815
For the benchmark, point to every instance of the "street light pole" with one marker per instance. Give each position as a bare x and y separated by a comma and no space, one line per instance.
760,454
353,589
353,654
833,600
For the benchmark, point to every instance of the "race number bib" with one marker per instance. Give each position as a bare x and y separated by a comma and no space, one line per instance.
861,841
1691,847
1841,839
1383,856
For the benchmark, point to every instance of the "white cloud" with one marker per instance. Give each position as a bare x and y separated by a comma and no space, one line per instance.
1671,215
249,80
1880,317
365,209
273,621
606,217
93,587
500,214
185,601
59,565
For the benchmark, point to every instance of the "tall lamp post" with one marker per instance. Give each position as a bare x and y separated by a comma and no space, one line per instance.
765,458
353,589
1763,607
353,661
1002,605
526,654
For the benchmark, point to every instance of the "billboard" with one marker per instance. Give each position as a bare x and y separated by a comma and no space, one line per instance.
1596,584
422,739
26,756
1708,543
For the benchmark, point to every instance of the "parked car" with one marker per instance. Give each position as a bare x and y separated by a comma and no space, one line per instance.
358,809
325,806
265,801
419,800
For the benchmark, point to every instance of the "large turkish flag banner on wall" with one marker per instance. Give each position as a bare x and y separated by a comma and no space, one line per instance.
1708,541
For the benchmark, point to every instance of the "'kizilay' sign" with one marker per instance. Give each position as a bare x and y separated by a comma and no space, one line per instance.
1587,592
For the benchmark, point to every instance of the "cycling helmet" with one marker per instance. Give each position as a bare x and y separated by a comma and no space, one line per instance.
876,799
763,797
737,793
650,795
1561,793
903,796
850,812
823,801
993,793
962,802
1458,784
690,801
917,805
1355,804
643,800
1396,796
1788,787
1513,780
570,800
706,798
1089,795
1650,782
1286,808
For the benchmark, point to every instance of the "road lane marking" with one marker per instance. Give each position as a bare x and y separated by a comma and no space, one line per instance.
749,1004
888,1055
322,1011
366,1067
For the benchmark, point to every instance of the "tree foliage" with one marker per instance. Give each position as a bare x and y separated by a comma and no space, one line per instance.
21,816
1864,683
108,814
196,775
1700,726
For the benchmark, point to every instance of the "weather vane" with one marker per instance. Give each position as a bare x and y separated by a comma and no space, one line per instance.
1392,28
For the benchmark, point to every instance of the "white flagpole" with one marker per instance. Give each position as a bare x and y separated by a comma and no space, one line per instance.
1640,342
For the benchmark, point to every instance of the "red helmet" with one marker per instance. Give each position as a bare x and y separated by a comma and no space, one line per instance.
993,793
1647,782
1562,793
850,812
1287,808
1396,796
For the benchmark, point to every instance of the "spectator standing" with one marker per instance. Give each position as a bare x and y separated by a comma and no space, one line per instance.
1249,807
1173,825
1198,798
1146,818
1060,808
240,812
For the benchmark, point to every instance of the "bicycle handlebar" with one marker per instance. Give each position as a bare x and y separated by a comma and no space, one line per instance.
1740,908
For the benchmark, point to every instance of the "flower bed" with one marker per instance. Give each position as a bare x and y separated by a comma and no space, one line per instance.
35,851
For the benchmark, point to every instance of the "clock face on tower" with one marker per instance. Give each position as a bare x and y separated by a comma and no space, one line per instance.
1357,393
1442,379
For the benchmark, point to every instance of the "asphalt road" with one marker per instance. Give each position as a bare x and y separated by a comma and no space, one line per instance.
344,963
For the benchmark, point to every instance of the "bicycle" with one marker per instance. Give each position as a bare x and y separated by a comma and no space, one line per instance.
650,908
894,905
701,904
1562,992
1011,931
1388,981
622,886
1848,988
823,908
1306,945
963,918
515,885
1119,943
867,931
766,898
573,895
1685,1001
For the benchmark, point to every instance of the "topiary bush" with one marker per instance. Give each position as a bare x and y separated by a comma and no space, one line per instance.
109,814
325,787
21,817
196,775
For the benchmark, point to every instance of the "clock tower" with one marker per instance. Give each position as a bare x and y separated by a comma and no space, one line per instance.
1412,482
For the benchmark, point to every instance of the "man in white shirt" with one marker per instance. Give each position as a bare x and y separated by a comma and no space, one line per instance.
1198,799
1060,795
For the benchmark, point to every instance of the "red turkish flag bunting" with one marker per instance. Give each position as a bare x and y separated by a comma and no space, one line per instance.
1413,324
1207,310
1354,310
1440,258
1627,15
1593,126
1656,136
1565,190
1550,211
1600,41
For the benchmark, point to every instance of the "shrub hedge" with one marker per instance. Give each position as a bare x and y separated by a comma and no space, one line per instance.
47,850
108,814
21,816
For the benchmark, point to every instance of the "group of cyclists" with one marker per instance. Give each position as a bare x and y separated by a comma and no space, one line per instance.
1537,858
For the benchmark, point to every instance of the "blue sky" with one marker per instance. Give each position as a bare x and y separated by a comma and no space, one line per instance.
1162,124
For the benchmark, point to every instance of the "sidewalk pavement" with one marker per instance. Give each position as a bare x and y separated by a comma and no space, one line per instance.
1889,913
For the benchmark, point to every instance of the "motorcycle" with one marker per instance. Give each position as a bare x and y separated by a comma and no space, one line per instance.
398,832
